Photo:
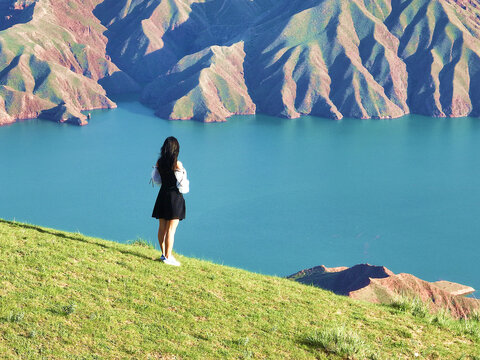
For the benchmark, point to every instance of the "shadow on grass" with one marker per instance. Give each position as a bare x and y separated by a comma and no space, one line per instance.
313,344
64,310
80,238
337,340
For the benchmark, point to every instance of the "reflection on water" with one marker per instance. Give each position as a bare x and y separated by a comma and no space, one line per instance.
267,194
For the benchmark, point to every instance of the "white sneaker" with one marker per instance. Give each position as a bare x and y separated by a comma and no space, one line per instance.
171,261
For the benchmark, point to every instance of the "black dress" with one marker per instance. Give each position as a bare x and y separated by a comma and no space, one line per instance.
170,203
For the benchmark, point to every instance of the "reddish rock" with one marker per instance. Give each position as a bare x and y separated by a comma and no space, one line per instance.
377,284
62,58
207,86
63,114
454,288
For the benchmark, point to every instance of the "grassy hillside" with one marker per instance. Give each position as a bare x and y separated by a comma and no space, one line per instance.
65,295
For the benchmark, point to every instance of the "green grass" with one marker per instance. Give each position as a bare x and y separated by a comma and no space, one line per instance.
79,51
442,318
68,296
413,305
141,242
338,340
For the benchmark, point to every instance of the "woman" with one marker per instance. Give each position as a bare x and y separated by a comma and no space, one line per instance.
169,208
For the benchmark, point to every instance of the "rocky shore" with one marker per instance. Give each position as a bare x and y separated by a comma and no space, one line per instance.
378,284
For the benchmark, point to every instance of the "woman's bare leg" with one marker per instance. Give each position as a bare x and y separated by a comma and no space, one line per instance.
171,227
162,230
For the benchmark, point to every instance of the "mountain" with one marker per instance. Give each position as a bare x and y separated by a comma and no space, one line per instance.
192,59
378,284
53,57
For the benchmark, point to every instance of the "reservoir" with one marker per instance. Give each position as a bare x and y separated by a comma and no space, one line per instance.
267,194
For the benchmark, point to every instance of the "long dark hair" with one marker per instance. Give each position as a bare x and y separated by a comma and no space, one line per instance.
168,154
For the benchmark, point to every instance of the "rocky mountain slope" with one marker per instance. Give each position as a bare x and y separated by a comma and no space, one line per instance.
52,57
377,284
193,59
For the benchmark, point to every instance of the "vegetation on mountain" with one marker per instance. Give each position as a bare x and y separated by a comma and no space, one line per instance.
328,58
52,53
69,296
208,60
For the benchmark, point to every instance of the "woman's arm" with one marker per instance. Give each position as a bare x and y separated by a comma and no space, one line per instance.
183,184
156,178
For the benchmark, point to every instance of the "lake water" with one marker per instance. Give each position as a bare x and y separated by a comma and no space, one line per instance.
269,195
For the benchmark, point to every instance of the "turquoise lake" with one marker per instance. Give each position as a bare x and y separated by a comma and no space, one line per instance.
266,194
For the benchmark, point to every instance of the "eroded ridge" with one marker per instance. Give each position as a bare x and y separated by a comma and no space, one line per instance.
207,61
